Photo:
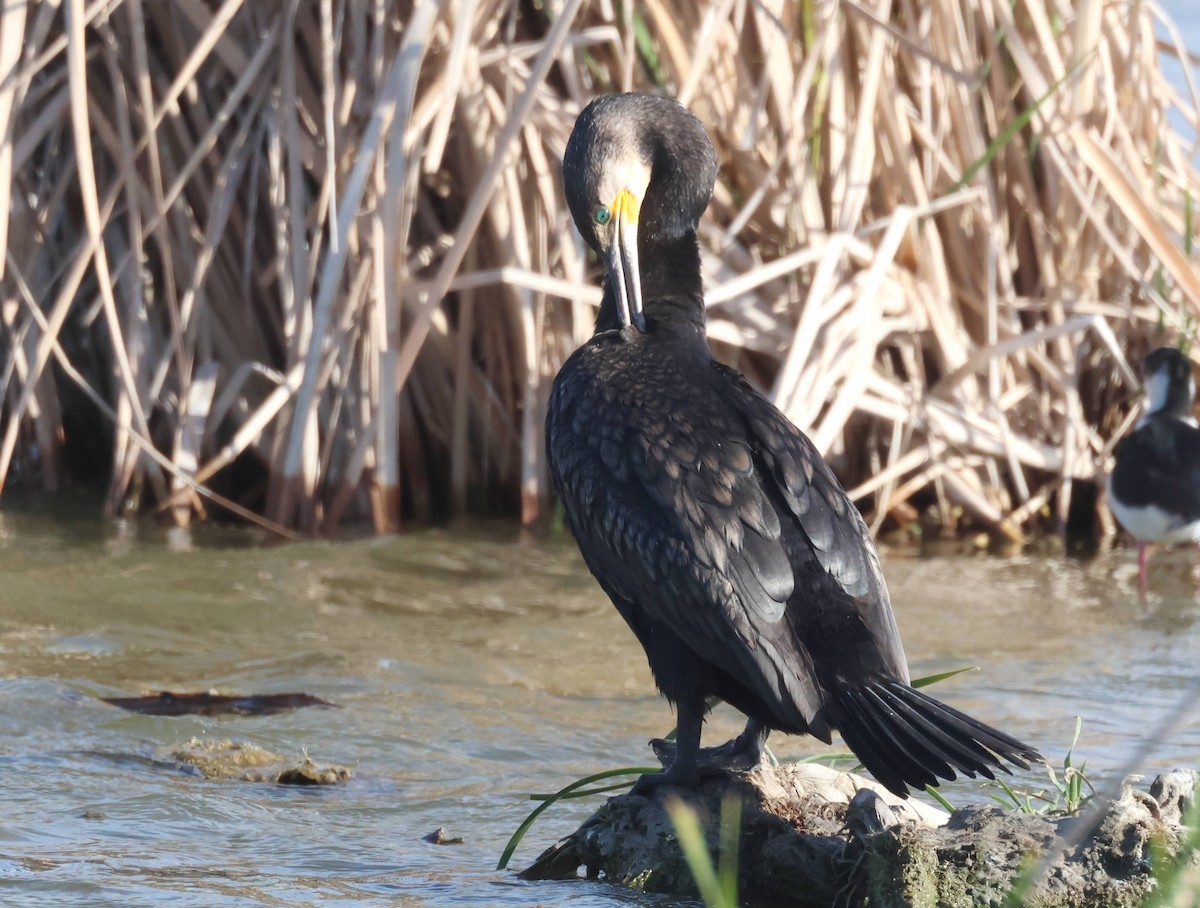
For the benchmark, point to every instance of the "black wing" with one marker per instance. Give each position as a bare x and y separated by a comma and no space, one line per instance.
715,515
719,519
1159,464
903,736
841,608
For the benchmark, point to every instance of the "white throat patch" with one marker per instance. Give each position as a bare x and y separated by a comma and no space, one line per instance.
629,174
1157,386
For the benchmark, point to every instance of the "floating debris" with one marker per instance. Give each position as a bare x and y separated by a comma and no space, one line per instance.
440,837
208,703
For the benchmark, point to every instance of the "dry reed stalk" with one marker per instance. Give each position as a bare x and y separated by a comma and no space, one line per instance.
312,261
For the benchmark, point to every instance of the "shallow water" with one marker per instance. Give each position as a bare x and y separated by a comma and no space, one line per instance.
471,668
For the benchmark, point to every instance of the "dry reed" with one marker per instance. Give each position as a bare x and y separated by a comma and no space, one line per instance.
310,262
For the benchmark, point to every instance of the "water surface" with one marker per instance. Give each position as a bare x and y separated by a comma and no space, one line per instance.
471,668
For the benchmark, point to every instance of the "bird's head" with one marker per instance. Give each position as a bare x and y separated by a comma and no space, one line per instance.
636,166
1169,385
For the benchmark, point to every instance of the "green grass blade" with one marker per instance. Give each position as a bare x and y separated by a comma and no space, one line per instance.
515,840
1173,876
695,852
582,792
1075,739
1013,802
940,798
727,860
1019,122
942,676
647,50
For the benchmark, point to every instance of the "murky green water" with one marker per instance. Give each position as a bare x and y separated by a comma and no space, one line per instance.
471,668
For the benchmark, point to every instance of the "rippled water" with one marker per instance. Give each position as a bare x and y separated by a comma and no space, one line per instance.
471,668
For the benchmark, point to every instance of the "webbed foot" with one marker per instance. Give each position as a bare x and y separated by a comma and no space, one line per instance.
685,777
739,755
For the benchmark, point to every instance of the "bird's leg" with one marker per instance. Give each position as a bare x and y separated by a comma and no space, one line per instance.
1141,547
741,754
682,770
748,747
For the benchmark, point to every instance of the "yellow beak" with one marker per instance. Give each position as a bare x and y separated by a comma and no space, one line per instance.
621,260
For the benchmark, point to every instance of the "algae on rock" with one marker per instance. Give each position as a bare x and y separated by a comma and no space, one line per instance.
813,836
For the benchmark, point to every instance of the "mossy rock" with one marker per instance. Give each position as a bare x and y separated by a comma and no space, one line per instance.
813,836
242,761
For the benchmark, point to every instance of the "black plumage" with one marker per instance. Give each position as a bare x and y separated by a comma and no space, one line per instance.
1154,488
712,523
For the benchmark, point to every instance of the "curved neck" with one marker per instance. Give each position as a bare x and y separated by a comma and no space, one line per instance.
672,289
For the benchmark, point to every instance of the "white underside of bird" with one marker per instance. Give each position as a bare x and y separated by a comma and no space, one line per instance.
1152,524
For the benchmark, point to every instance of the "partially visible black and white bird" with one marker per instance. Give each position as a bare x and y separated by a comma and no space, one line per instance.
713,524
1154,488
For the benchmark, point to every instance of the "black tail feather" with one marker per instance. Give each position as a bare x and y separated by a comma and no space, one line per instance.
925,748
957,751
907,738
1006,746
877,756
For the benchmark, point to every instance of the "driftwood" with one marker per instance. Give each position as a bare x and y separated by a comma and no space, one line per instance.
207,703
813,836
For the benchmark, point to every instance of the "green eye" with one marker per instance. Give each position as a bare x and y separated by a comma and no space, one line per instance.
603,216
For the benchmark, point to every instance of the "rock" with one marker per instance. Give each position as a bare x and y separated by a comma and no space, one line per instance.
309,773
813,836
1174,791
868,815
440,837
223,759
247,762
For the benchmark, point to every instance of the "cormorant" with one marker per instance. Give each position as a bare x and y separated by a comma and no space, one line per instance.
712,522
1154,488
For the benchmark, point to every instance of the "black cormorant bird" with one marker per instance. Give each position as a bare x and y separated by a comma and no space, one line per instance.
712,522
1154,489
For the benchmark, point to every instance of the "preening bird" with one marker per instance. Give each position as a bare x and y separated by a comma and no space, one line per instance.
1154,488
713,524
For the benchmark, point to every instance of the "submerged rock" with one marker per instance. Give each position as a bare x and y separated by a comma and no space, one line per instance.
247,762
813,836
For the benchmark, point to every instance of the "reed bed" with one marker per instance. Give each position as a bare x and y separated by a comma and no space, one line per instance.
309,263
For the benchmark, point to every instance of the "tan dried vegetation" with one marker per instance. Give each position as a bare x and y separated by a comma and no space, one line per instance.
310,261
